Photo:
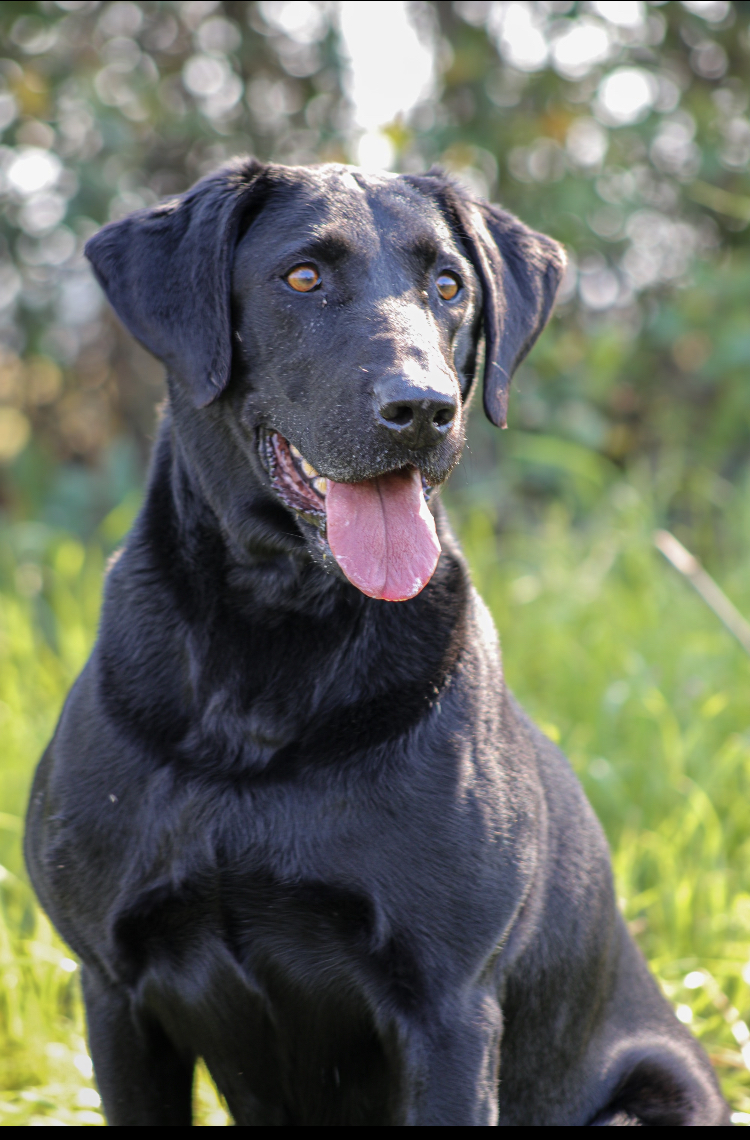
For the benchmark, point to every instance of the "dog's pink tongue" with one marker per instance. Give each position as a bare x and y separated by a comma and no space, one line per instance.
382,534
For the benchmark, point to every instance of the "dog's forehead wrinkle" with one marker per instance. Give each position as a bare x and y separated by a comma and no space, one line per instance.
393,208
314,212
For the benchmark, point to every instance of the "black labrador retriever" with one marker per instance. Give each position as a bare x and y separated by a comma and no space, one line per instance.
287,825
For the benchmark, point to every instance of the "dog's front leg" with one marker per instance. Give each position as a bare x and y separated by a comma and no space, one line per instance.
141,1076
452,1065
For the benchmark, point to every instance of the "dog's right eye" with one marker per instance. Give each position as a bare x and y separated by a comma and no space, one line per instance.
303,278
448,286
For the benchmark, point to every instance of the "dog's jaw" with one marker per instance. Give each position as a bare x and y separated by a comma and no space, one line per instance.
405,562
297,483
294,480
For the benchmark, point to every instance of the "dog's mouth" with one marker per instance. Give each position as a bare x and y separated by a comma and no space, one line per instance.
380,531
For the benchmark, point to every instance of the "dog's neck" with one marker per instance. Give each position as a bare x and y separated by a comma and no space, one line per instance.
253,610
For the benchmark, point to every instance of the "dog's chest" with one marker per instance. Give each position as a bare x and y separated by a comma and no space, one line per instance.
323,891
307,979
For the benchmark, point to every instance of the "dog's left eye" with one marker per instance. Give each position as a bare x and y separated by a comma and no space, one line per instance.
303,278
448,285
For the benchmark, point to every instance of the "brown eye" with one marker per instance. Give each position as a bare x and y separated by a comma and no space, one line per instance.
447,286
303,278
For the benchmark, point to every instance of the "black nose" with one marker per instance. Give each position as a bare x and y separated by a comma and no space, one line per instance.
418,416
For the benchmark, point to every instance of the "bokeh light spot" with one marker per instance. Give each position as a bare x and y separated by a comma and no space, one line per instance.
626,96
33,170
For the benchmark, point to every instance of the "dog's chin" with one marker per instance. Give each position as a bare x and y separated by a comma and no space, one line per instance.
303,491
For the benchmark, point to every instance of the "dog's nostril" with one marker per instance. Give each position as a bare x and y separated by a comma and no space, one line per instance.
443,417
417,417
398,414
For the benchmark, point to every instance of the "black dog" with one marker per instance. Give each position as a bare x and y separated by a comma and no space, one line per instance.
289,827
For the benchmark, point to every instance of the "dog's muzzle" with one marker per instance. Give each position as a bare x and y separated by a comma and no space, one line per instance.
380,531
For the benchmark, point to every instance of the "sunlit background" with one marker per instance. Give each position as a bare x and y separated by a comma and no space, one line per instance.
619,127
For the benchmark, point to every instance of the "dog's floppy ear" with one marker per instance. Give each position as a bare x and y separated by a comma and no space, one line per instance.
519,271
166,271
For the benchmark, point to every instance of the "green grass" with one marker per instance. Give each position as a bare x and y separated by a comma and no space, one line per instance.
610,651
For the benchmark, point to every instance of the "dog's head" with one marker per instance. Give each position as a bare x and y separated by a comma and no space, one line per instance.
334,318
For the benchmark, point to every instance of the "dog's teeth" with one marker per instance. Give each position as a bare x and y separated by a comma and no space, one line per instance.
295,453
308,468
321,486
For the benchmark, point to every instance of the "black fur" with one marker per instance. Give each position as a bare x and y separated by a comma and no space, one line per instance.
304,834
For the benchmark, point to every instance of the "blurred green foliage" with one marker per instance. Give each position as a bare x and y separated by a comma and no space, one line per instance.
620,128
